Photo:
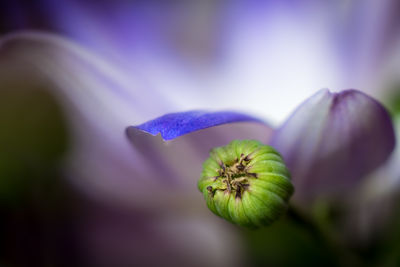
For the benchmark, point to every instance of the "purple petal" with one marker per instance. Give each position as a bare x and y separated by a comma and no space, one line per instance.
98,100
173,125
177,163
333,140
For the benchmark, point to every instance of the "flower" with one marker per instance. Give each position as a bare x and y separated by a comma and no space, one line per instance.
102,164
100,100
327,142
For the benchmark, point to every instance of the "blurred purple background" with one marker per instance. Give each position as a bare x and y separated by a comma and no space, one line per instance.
70,192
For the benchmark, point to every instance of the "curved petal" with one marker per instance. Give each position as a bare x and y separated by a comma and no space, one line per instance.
371,209
178,162
94,96
98,101
333,140
335,46
174,125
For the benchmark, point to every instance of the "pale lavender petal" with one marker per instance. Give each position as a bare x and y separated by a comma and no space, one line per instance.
333,140
99,100
243,44
174,125
371,207
205,52
367,38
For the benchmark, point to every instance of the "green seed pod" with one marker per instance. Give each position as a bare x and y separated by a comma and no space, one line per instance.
246,183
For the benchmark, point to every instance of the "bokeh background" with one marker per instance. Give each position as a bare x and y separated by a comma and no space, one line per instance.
260,57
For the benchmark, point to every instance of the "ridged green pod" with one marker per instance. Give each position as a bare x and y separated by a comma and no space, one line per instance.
246,183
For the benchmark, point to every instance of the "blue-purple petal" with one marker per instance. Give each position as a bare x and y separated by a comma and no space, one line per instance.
333,140
173,125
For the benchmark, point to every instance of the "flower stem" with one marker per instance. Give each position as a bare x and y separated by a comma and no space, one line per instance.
324,236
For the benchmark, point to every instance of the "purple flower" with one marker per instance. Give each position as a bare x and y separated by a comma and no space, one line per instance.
248,62
151,195
330,143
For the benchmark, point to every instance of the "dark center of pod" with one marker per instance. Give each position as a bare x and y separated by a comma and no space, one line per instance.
235,177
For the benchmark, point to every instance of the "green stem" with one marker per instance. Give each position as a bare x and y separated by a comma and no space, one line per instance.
323,235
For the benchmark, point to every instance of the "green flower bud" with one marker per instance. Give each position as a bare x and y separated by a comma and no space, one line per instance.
246,183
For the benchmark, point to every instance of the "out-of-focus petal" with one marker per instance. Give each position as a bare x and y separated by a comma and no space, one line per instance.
206,50
367,38
98,101
333,140
174,125
371,207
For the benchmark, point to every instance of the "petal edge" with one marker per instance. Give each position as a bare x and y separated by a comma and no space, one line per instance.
333,140
173,125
